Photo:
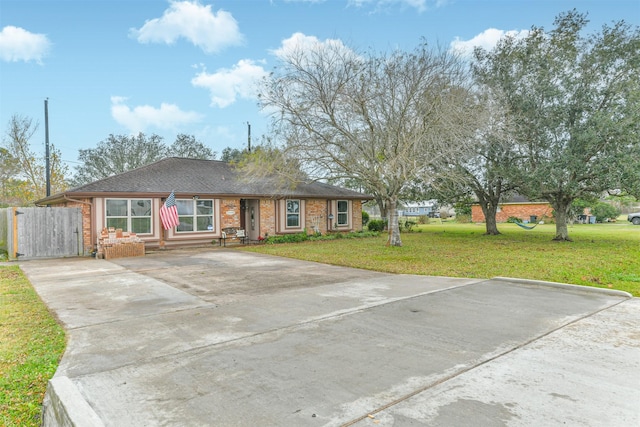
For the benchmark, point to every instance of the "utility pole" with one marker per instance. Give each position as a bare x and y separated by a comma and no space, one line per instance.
46,142
249,136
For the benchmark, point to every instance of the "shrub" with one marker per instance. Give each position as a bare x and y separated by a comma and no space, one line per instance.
407,225
361,234
301,237
514,219
463,219
463,207
376,225
365,218
423,219
603,211
287,238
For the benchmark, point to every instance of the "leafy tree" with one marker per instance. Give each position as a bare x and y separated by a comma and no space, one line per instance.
117,154
485,170
121,153
630,171
623,202
8,170
380,120
462,208
187,146
603,211
23,171
575,100
231,155
270,163
578,207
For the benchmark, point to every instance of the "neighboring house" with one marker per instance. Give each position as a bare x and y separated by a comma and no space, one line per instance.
525,211
210,196
586,217
428,208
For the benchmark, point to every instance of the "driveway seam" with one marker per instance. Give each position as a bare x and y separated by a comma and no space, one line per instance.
473,367
277,330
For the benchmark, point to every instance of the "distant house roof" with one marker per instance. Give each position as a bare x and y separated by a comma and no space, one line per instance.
201,177
421,204
514,198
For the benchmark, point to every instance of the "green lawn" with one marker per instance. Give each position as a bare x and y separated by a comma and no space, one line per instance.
31,345
601,255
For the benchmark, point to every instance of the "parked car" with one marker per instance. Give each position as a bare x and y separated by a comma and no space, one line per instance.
634,218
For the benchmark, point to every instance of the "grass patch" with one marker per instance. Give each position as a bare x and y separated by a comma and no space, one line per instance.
601,255
31,345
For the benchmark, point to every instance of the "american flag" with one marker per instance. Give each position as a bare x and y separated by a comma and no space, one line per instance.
169,212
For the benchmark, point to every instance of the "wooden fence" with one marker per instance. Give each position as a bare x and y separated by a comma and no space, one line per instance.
29,233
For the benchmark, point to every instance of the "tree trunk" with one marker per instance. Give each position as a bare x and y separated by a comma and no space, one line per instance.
382,206
394,228
489,209
562,215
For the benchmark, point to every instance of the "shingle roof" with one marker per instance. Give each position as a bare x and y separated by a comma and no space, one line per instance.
202,177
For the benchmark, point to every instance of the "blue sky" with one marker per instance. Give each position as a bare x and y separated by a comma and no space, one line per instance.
170,67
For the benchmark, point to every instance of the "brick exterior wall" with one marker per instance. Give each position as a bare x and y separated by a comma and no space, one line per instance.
316,216
267,217
229,213
357,215
315,209
524,211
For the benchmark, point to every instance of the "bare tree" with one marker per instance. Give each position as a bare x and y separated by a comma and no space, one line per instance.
384,121
27,176
19,133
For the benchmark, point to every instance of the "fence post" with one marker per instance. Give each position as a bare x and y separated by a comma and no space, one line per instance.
14,222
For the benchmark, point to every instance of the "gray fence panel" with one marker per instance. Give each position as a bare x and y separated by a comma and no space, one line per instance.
49,232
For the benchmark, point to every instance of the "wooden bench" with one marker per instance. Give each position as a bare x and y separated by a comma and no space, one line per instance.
232,233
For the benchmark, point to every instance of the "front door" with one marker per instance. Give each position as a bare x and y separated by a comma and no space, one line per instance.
252,218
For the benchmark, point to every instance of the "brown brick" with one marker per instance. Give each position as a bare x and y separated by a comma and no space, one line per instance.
523,211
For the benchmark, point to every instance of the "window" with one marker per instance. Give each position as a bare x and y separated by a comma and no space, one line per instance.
130,215
293,213
343,212
195,215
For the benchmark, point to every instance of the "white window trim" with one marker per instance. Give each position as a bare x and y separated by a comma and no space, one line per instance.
195,217
129,216
286,214
348,223
334,212
281,216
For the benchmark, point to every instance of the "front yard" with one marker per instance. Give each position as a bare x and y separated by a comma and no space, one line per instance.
601,255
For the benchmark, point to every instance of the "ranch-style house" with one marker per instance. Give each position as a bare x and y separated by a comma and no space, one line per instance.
211,197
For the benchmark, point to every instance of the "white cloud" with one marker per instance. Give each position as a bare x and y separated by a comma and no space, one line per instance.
299,42
18,44
486,40
210,31
168,116
226,85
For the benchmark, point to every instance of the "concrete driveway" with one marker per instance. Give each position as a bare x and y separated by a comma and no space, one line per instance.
227,338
